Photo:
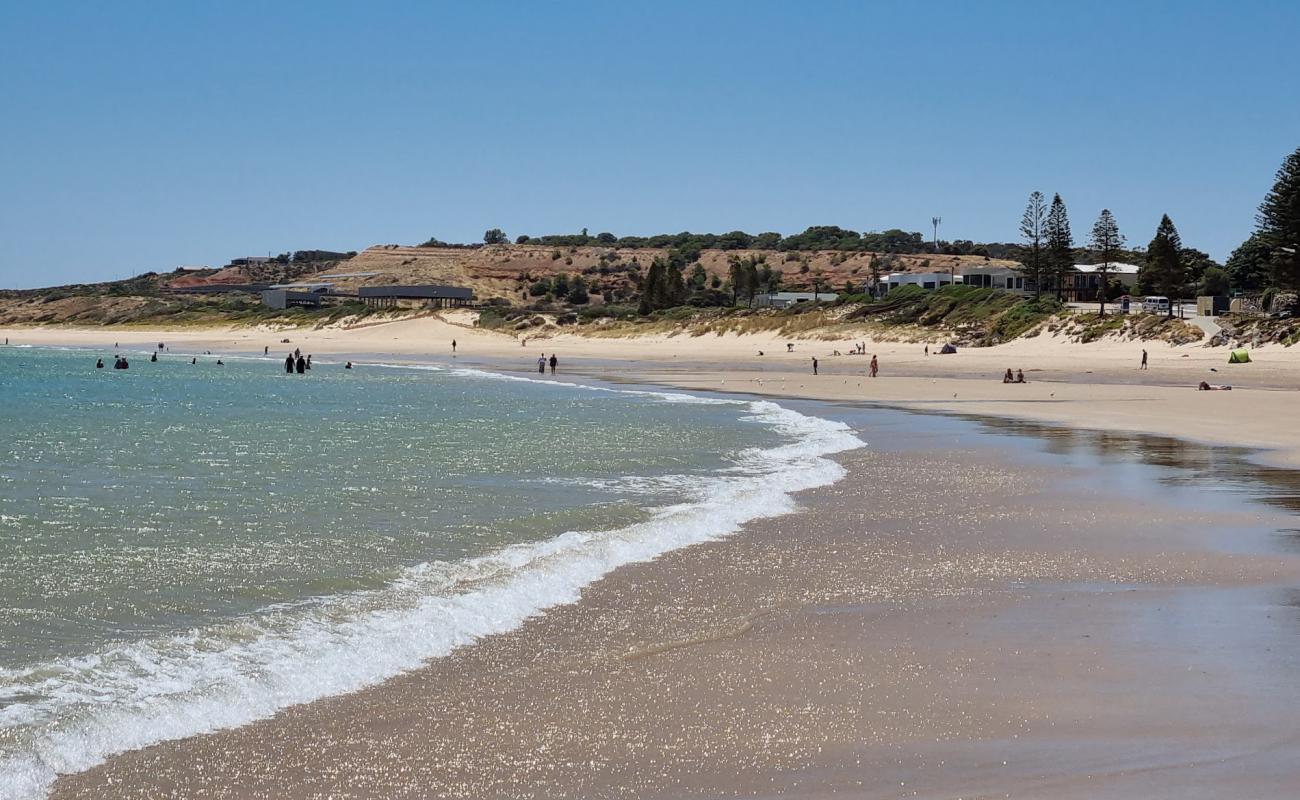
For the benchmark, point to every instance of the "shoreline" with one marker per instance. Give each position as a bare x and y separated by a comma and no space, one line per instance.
1177,570
1088,386
826,651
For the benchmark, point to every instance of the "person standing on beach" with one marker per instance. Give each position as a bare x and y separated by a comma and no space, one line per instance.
541,364
453,347
554,362
266,351
814,365
1144,360
875,366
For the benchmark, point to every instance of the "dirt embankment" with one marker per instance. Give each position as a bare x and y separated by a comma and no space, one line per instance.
506,271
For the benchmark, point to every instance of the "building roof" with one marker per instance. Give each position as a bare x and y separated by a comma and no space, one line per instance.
424,292
1115,267
798,295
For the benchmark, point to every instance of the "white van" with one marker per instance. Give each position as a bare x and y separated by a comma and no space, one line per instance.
1155,304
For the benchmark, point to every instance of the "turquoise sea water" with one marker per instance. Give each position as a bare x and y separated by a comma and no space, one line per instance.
180,542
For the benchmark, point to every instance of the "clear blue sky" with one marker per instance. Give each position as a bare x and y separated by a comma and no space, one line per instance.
140,136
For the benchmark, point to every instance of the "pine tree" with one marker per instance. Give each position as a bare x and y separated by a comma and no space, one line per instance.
1033,229
652,288
1249,265
1278,223
1106,240
1165,270
1060,245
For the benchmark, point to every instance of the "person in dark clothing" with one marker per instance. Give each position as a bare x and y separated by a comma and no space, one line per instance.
288,364
309,361
814,365
347,365
99,363
541,364
153,356
554,362
301,365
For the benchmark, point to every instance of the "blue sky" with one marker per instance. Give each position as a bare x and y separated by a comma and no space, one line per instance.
140,136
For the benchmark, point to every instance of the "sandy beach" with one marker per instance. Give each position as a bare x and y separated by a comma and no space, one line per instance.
1012,635
1096,385
966,614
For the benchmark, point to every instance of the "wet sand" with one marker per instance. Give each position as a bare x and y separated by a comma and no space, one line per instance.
963,615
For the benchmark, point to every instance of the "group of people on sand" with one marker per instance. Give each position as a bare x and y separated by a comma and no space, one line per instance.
873,369
1019,377
542,362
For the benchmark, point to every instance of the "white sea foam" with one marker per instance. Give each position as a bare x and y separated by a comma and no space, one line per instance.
131,696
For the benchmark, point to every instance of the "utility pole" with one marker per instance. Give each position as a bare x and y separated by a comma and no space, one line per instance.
952,268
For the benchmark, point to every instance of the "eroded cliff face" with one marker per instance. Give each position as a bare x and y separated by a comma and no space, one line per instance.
506,271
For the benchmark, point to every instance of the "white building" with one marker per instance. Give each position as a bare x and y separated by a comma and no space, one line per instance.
926,280
1005,278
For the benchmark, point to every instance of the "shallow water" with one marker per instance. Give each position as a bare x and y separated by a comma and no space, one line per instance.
191,546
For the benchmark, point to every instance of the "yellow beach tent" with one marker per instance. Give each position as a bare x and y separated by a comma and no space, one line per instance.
1239,356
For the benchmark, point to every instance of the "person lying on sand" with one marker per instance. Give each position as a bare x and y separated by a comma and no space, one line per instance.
1205,387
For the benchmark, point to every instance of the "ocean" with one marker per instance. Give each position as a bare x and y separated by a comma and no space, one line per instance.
187,547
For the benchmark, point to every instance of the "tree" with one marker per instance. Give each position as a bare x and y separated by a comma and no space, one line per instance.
606,238
1106,240
522,239
1033,231
1249,265
560,285
1165,270
1215,282
495,236
1060,245
699,278
1278,223
578,292
663,287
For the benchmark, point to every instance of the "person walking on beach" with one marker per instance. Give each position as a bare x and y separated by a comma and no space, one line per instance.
554,362
814,365
266,351
453,347
1144,360
875,366
541,364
